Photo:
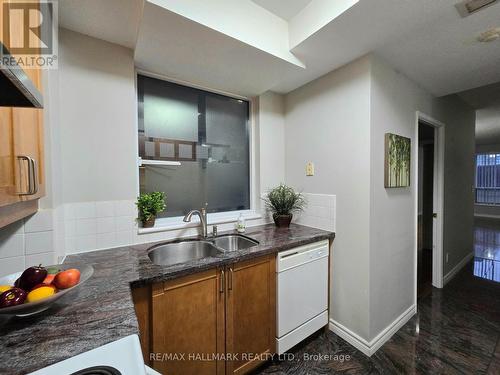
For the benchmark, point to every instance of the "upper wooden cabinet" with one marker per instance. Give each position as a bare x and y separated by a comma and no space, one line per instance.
22,178
217,322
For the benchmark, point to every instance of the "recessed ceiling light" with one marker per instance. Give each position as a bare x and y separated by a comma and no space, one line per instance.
489,35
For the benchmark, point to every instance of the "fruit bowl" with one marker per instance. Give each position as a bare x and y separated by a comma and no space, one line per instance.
30,308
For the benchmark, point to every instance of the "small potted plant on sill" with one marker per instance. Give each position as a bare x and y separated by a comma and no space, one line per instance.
149,205
283,201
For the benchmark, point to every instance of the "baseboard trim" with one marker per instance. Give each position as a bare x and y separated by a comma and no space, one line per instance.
450,275
370,347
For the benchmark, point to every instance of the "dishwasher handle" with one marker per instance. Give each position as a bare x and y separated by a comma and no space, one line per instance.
301,255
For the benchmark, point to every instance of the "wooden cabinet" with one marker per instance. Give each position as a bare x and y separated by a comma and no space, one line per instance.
221,321
8,178
22,178
188,324
250,314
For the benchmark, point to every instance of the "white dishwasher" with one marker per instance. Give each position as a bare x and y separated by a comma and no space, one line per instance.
302,293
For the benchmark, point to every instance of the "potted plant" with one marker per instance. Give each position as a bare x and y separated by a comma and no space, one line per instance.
149,205
283,201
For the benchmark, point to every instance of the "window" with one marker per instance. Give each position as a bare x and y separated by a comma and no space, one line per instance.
206,135
488,179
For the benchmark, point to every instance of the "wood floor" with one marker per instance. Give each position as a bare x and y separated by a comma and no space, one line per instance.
456,330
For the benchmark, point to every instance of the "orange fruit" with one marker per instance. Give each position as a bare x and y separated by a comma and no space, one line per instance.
67,279
4,288
40,293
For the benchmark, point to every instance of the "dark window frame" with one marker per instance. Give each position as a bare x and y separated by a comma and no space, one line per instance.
487,179
203,93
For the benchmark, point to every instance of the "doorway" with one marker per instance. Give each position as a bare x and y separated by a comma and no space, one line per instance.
429,167
426,143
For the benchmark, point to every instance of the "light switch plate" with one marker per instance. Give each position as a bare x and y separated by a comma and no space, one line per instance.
310,169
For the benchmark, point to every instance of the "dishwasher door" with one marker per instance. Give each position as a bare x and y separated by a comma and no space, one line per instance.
302,286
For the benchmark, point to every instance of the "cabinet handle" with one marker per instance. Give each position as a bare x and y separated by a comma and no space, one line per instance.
230,278
221,286
35,176
30,181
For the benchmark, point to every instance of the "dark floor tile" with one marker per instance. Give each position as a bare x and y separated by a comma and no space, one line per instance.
456,331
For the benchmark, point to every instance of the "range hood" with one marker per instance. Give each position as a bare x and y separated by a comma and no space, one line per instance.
16,88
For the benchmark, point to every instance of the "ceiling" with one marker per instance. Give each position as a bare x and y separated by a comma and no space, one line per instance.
442,53
426,40
165,47
283,9
115,21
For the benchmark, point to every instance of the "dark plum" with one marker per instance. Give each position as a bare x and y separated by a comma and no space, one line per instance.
12,297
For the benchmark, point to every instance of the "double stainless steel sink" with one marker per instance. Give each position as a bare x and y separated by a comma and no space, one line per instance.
184,251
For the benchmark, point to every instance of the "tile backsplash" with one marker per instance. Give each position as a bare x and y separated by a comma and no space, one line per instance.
86,226
27,243
99,225
320,211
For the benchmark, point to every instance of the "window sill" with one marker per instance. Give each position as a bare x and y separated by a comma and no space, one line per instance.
175,223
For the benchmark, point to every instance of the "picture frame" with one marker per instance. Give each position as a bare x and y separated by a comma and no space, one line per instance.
397,168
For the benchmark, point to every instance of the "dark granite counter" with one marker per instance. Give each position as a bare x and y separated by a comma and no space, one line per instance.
102,311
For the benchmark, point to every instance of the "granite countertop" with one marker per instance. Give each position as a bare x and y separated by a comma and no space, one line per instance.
102,311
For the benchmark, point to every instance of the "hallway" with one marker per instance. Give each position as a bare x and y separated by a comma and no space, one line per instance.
456,329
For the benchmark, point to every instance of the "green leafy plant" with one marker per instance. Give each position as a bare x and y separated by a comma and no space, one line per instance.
283,200
149,205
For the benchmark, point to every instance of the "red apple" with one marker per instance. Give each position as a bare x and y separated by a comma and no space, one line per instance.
66,279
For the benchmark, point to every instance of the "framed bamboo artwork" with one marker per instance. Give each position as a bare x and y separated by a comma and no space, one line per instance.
397,161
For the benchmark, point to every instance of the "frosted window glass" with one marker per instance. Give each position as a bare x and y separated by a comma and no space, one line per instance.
170,112
216,126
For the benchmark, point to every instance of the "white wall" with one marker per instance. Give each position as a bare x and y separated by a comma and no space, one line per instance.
97,114
339,122
459,174
328,123
271,123
394,102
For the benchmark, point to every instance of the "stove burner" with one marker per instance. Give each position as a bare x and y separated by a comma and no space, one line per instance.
98,370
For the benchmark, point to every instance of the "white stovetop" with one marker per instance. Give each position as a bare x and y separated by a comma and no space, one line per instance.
125,355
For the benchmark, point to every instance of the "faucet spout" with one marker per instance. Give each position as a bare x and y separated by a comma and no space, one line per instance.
202,214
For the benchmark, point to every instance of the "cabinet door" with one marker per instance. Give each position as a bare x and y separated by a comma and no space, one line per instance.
8,163
188,324
24,132
28,143
250,314
28,122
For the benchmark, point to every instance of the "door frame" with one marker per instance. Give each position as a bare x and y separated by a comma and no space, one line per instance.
438,198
